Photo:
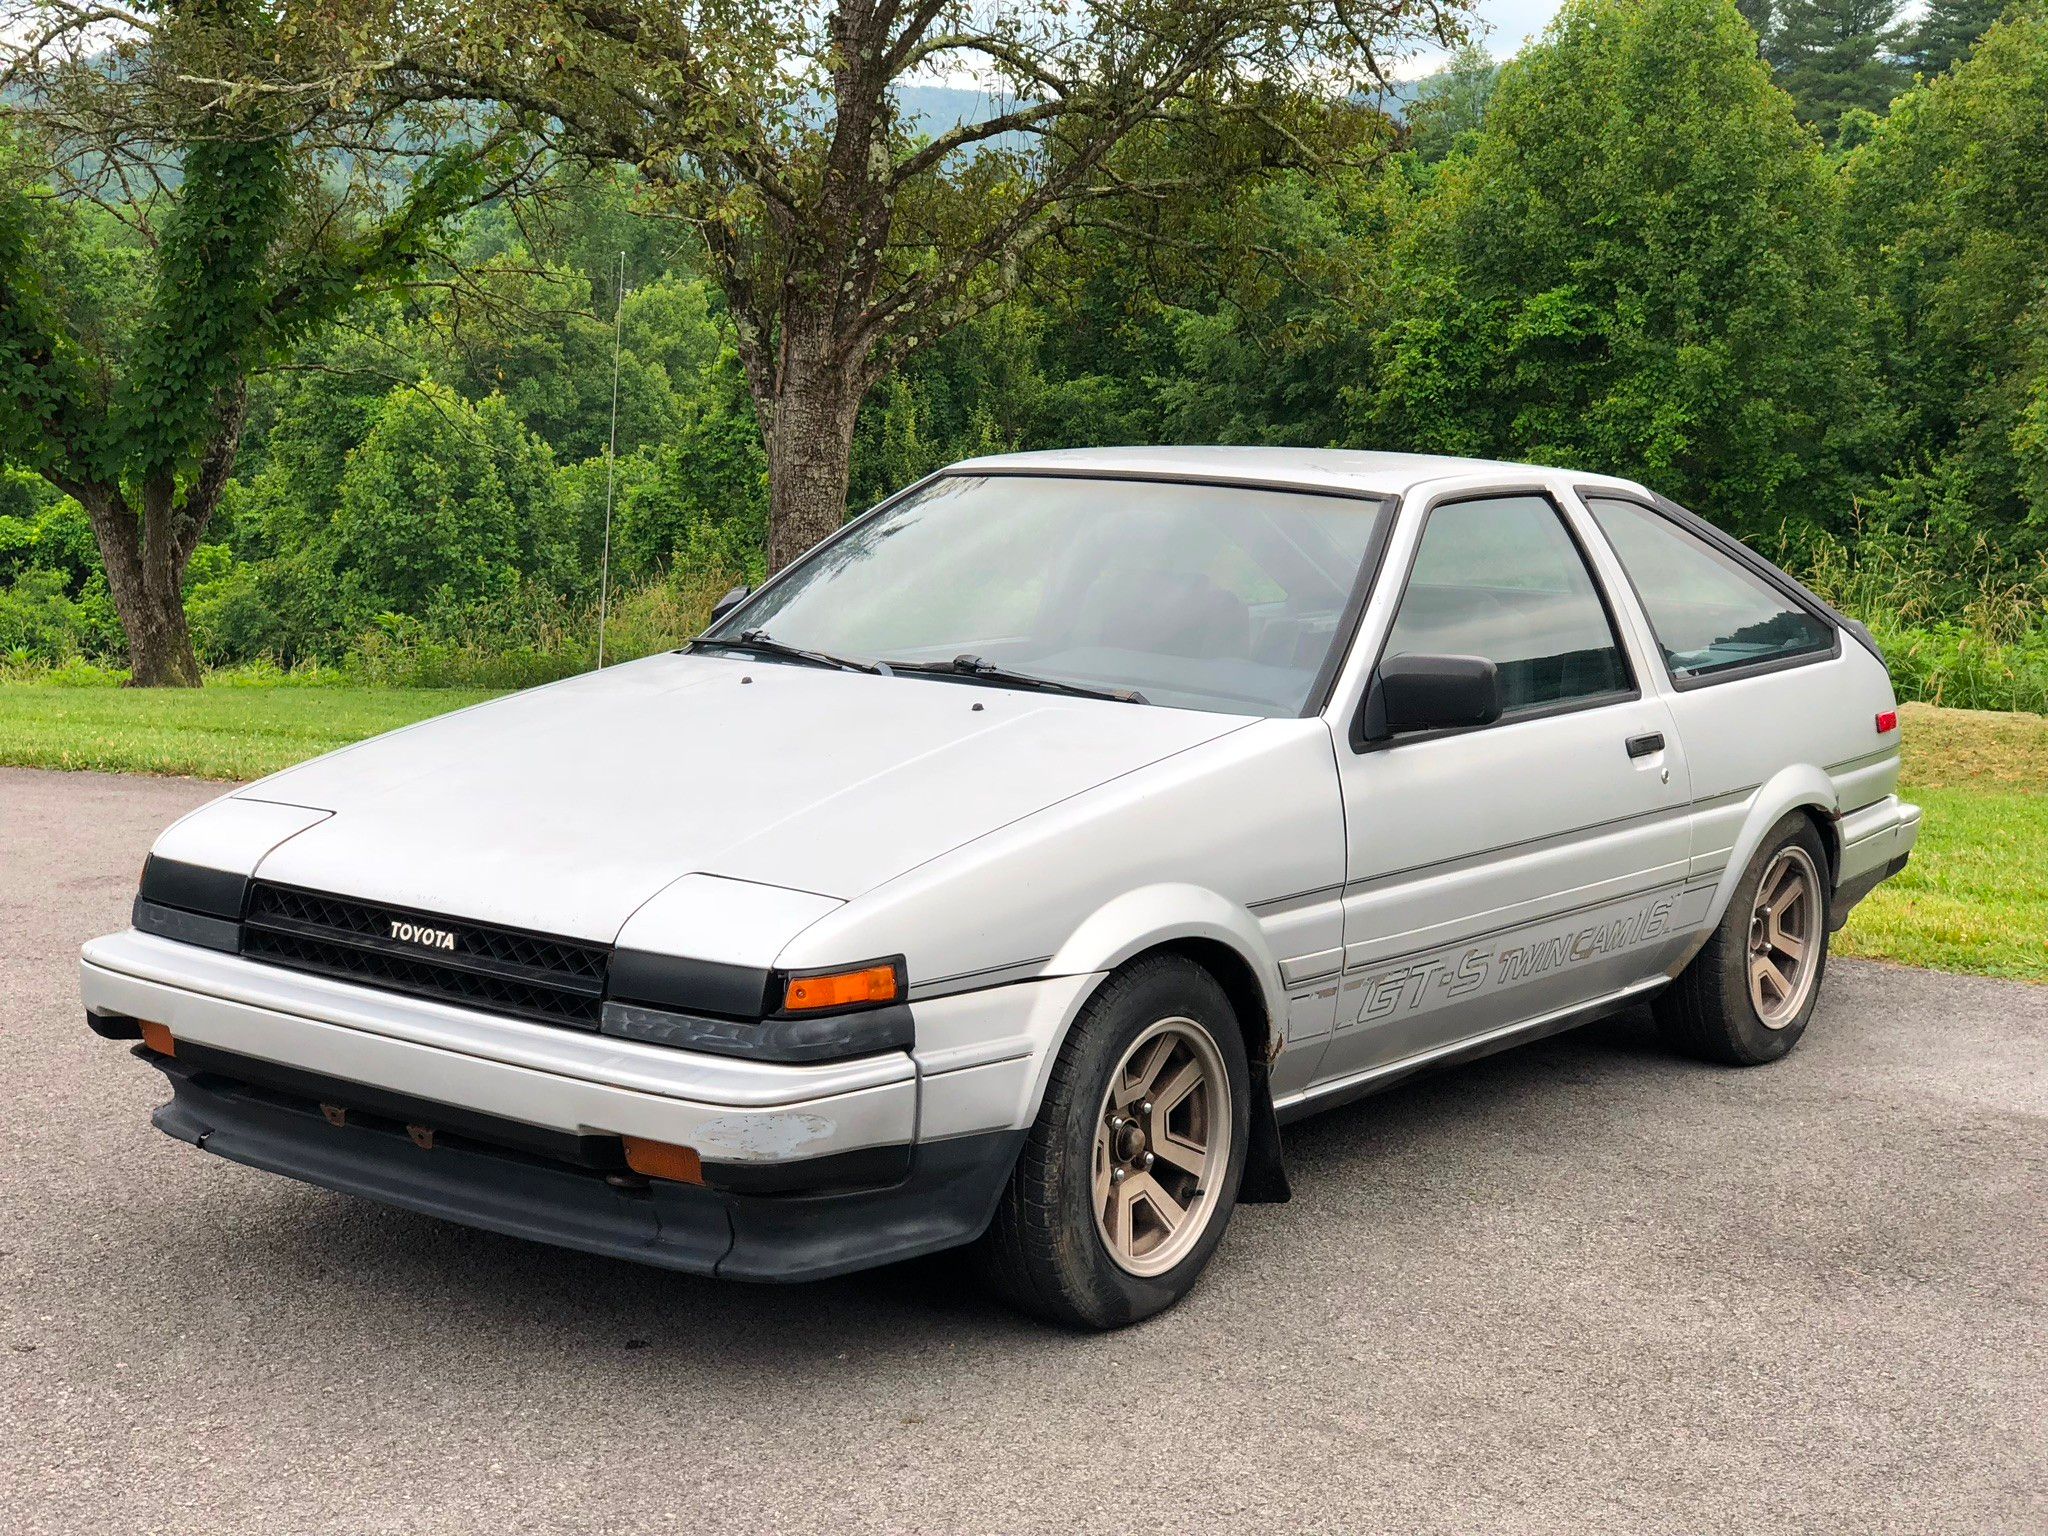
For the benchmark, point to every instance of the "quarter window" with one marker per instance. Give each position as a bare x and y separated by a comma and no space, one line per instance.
1710,613
1502,578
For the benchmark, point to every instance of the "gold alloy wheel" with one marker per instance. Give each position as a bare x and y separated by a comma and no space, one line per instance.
1785,933
1162,1144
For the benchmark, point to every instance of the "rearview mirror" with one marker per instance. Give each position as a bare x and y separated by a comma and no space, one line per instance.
1436,693
730,601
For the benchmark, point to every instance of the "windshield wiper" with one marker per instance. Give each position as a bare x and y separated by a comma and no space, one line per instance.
759,642
988,672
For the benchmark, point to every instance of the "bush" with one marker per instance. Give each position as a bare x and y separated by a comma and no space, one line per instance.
425,508
36,619
533,636
42,624
1967,630
1961,667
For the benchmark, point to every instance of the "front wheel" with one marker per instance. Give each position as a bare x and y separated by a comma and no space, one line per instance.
1747,996
1131,1169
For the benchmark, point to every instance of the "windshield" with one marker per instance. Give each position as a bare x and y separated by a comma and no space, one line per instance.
1210,597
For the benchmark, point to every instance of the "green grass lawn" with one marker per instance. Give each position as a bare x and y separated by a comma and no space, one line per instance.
211,733
1975,897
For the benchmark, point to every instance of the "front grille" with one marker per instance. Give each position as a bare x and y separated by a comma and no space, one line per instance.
496,970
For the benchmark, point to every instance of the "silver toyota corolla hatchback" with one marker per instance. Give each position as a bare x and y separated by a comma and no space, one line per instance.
1008,870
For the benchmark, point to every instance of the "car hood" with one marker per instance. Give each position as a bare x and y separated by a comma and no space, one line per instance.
565,808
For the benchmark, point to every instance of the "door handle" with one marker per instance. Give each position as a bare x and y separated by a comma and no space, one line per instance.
1645,744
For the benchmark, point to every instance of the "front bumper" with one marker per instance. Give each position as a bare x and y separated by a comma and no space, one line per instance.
945,1199
953,1119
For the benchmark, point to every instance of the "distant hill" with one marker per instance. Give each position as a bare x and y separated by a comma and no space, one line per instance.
936,108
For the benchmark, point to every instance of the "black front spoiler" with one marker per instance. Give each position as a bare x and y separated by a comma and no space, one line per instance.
946,1200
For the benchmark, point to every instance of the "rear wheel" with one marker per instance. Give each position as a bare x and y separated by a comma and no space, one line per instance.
1747,996
1130,1173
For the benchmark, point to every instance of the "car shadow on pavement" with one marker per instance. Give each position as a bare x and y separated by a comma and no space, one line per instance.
347,1261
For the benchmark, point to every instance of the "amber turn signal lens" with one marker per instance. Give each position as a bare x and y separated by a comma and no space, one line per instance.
842,989
663,1160
158,1039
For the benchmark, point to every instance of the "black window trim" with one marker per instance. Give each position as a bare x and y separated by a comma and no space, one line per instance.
1356,734
1745,558
1342,638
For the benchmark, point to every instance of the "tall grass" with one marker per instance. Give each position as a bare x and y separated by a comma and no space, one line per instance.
1968,629
529,638
535,639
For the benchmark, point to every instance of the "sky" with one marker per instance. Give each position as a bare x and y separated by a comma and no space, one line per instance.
1514,22
1502,27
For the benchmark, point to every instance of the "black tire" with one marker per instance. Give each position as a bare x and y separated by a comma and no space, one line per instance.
1045,1253
1709,1011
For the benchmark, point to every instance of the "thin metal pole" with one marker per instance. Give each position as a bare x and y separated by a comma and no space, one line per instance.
611,457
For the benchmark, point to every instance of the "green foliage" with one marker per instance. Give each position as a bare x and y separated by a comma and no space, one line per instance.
212,316
427,513
259,229
700,502
555,368
126,394
1948,30
1958,626
532,636
1635,271
22,494
42,622
306,420
1450,109
36,619
55,538
1835,55
1948,216
1622,251
46,376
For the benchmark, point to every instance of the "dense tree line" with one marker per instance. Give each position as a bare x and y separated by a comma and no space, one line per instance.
1655,243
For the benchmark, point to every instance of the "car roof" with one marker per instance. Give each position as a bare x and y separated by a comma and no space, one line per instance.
1348,469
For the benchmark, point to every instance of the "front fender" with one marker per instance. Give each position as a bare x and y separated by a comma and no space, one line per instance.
1154,915
1157,915
1802,786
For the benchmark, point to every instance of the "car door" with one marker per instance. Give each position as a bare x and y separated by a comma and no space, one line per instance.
1512,872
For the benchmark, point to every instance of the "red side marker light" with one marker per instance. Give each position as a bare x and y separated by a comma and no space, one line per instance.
158,1039
1887,722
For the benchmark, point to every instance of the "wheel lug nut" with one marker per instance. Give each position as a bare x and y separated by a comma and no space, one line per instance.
1148,1160
1116,1175
1145,1108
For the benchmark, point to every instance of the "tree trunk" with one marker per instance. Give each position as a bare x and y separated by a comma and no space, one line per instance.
145,569
160,651
807,428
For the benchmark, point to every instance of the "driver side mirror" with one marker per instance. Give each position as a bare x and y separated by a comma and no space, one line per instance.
1430,693
727,603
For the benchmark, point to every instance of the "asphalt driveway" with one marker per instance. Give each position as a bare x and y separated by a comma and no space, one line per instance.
1580,1286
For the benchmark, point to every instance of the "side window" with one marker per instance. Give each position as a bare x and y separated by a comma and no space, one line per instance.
1709,612
1502,578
